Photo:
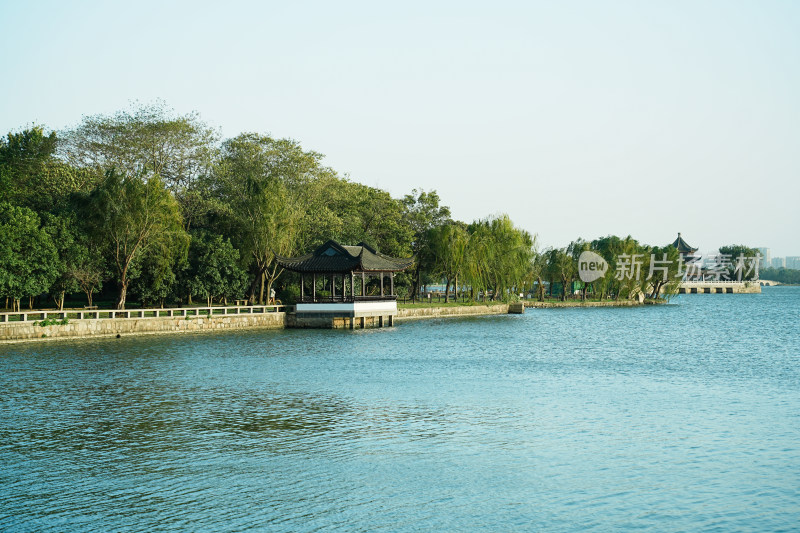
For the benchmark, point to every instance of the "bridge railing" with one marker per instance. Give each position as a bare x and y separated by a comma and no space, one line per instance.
106,314
728,281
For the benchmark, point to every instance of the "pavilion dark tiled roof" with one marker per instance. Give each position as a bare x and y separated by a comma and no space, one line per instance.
682,246
333,257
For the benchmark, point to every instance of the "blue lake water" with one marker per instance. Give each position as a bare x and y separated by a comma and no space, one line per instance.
683,417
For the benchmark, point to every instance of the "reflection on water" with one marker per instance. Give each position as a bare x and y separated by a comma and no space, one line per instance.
681,417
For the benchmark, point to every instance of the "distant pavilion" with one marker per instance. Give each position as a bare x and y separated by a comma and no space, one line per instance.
683,247
339,277
693,271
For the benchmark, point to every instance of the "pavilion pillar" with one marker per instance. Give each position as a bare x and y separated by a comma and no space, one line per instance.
333,286
302,282
391,283
381,283
353,285
363,284
314,288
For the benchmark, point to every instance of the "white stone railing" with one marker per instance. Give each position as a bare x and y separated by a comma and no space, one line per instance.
106,314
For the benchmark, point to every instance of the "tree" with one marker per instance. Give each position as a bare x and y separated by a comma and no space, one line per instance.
448,244
423,213
747,269
561,267
662,266
148,139
135,218
213,269
31,176
262,181
64,234
28,258
575,249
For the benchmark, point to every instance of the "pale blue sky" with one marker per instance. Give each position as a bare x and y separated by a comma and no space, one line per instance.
576,118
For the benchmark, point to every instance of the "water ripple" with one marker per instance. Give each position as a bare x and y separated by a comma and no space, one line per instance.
682,417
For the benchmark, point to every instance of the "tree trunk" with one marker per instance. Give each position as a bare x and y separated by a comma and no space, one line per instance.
563,289
123,293
447,291
261,290
61,301
89,297
415,283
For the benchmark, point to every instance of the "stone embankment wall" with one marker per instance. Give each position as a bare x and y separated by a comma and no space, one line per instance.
133,326
442,312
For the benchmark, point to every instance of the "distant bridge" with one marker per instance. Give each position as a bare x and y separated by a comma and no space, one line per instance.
768,283
719,287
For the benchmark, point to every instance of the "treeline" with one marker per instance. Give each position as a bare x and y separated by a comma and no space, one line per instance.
154,207
784,275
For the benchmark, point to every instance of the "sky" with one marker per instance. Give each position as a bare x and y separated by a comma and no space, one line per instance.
578,119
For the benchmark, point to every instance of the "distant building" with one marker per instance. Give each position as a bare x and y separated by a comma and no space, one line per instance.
793,262
778,262
683,247
766,256
693,264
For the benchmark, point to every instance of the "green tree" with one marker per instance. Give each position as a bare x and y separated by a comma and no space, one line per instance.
65,235
561,267
134,218
28,258
262,182
423,213
31,176
741,261
662,265
213,270
148,139
448,244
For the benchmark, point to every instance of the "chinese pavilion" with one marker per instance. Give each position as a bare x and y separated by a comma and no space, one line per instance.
693,267
345,286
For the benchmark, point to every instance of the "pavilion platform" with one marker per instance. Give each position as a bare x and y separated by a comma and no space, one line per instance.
351,287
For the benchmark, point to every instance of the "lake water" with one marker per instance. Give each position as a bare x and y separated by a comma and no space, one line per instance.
683,417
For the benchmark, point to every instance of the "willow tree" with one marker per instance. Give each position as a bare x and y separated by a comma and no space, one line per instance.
499,255
448,245
133,218
263,183
561,266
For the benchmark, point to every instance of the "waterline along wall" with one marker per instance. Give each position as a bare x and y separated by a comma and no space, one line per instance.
44,325
40,325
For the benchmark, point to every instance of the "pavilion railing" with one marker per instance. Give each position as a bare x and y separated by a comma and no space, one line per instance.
347,299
